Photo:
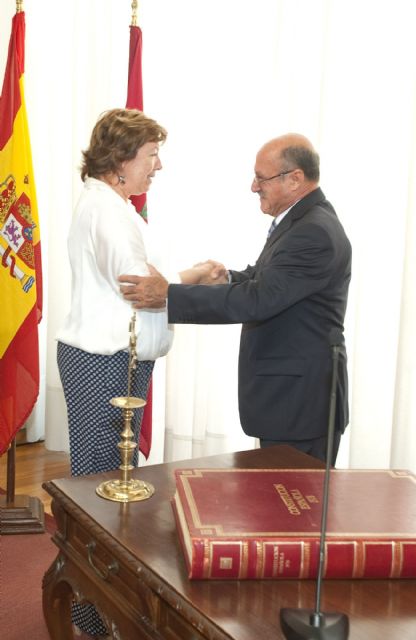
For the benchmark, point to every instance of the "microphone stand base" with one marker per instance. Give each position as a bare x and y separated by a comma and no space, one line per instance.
298,624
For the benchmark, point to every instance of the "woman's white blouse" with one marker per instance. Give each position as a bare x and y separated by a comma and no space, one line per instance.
105,241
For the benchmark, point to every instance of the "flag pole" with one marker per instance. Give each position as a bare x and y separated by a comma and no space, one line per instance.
11,452
135,101
22,513
133,13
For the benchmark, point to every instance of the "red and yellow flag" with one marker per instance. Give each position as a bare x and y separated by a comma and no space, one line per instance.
135,101
20,258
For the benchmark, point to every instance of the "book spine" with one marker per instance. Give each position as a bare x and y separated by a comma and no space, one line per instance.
286,558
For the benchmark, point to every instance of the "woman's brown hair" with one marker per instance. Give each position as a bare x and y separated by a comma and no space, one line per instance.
116,137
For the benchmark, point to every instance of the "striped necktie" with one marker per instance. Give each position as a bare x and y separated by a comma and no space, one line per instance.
271,228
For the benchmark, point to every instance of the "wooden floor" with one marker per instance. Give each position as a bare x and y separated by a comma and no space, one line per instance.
34,465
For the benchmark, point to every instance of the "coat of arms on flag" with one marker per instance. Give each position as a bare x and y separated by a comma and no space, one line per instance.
16,229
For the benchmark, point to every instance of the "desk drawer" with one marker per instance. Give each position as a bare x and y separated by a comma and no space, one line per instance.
174,627
115,573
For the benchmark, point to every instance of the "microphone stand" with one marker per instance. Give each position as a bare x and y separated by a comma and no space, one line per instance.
298,624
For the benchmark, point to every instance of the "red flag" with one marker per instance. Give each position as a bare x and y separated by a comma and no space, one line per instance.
20,258
135,101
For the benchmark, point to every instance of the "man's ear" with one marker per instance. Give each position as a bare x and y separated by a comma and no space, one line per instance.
296,178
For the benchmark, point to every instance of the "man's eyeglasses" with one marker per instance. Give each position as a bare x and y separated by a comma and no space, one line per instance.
278,175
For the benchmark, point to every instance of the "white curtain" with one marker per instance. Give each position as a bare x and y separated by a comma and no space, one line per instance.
224,77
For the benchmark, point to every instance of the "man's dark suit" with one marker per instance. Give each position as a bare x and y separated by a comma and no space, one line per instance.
288,303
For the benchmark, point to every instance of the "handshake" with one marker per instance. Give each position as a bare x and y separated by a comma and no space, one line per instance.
150,292
209,272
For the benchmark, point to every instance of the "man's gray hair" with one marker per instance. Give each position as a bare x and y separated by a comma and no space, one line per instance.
303,158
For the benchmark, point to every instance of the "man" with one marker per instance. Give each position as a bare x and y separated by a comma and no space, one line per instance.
288,303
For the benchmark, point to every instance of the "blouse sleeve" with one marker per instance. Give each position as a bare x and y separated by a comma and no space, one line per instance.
118,245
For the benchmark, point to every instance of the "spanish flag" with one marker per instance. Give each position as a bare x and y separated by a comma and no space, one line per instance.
20,258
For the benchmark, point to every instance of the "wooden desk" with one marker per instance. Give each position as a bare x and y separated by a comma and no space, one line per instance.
126,559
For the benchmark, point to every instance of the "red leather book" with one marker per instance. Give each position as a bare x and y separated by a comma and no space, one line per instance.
265,523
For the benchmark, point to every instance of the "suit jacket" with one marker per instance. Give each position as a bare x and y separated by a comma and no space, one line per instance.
288,303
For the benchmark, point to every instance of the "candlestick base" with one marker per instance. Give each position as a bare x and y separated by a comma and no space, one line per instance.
131,491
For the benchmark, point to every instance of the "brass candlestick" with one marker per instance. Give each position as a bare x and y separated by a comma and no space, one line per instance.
127,489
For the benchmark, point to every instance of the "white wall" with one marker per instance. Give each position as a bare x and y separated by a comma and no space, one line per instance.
223,77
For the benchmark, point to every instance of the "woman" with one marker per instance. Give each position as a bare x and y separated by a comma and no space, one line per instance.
105,240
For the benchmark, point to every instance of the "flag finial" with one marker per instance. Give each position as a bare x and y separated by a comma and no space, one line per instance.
19,6
134,13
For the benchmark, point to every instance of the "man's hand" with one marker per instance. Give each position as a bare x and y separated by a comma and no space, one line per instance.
145,292
209,272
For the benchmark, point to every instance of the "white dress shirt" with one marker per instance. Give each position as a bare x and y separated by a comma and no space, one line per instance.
278,219
105,241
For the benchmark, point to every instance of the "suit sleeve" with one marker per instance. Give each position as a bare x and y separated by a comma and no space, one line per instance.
241,276
301,265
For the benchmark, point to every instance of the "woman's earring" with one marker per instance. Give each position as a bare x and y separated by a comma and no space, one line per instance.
122,180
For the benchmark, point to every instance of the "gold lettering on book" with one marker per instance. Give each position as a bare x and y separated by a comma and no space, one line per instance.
261,559
294,499
287,499
275,560
302,502
282,563
306,560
